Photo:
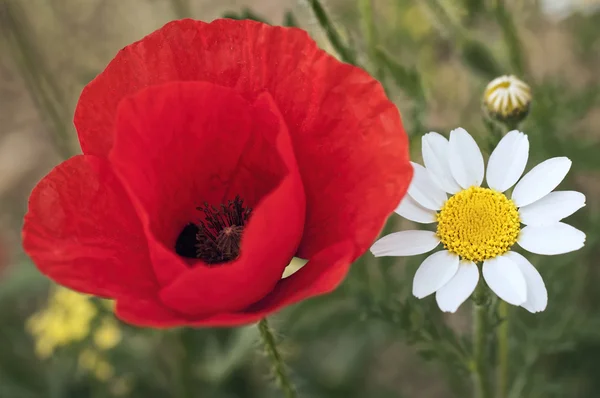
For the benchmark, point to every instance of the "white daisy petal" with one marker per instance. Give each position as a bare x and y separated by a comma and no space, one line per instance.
494,96
405,243
540,180
503,101
465,158
435,157
459,288
505,279
552,208
537,295
513,103
551,239
294,266
507,162
424,190
434,272
413,211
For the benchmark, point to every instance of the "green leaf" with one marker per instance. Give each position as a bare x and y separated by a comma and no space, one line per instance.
407,79
246,13
290,20
511,37
346,53
474,8
231,15
369,30
480,59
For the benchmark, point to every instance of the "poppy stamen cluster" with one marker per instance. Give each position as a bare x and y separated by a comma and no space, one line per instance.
220,234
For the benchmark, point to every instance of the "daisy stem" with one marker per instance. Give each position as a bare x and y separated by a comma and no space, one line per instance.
481,384
278,366
503,348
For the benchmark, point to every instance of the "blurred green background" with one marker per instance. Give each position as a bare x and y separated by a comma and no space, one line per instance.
370,338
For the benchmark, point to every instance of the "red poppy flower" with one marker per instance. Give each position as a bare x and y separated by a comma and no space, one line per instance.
213,154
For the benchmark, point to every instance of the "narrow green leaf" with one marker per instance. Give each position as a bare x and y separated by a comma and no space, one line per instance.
473,53
247,13
511,37
232,15
407,79
371,36
290,20
480,59
474,8
345,52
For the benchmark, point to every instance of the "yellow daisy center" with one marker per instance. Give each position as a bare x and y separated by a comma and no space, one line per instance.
478,224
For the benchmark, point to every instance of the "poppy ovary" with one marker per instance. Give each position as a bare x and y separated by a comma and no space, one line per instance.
219,235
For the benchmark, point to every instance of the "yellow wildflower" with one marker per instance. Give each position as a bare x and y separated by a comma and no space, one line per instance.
108,335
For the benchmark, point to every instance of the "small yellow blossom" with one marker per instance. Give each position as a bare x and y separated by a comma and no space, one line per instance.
69,318
108,335
65,320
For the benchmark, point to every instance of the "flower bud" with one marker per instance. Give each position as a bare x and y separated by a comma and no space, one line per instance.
507,99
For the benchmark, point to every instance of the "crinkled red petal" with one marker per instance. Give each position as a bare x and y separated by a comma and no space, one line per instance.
172,158
180,145
82,231
320,275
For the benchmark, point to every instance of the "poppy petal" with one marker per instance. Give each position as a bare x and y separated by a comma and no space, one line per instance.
177,147
152,313
352,131
148,312
270,240
322,274
82,231
338,116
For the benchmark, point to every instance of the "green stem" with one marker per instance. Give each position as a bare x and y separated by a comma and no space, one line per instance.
278,365
481,384
503,350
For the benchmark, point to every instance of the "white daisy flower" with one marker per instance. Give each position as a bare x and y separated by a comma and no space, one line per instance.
507,99
481,225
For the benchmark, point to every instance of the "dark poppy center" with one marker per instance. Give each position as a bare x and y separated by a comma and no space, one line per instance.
217,238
